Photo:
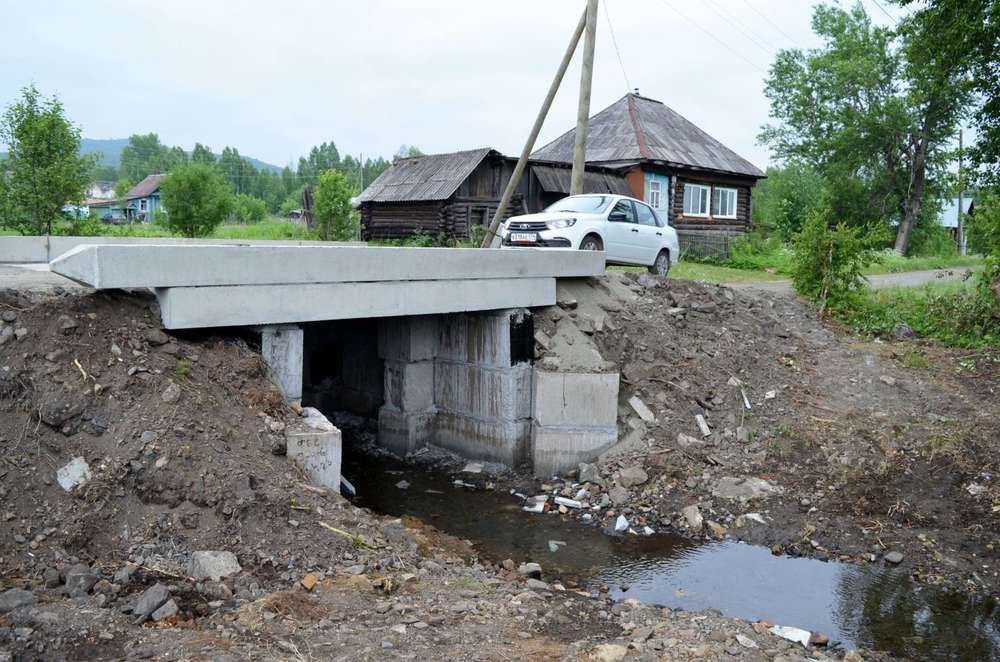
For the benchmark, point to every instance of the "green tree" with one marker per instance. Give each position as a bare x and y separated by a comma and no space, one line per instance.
320,159
789,195
872,112
144,155
202,154
196,199
407,151
332,207
248,209
43,170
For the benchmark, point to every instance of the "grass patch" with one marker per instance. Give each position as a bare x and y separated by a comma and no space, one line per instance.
956,313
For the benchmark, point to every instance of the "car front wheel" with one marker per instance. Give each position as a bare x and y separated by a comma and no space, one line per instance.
661,266
590,244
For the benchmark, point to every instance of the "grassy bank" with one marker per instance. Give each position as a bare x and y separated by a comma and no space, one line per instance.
956,313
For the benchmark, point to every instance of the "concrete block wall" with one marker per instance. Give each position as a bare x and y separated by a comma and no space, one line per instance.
574,418
407,346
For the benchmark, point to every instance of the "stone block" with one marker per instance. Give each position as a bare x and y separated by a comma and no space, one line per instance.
502,394
282,349
556,449
24,250
409,387
575,399
404,432
484,339
315,445
494,441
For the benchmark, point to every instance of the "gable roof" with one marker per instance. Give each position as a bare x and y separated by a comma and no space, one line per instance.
431,177
638,128
146,187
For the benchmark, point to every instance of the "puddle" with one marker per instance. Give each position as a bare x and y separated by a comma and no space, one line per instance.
870,607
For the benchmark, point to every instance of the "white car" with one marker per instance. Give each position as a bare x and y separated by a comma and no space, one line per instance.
628,230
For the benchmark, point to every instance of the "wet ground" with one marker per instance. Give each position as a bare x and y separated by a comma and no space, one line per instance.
868,607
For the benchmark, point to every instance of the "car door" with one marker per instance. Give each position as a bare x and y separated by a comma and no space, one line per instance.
650,236
620,242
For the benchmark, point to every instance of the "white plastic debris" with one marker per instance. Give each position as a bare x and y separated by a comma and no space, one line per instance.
646,530
74,474
554,545
535,504
346,486
621,524
975,489
755,517
569,503
770,395
797,635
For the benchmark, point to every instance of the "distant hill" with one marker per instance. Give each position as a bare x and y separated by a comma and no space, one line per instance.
111,149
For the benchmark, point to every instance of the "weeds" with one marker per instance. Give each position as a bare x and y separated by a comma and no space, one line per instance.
183,370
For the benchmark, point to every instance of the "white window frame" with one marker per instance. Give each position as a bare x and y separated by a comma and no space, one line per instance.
735,198
142,204
655,196
708,200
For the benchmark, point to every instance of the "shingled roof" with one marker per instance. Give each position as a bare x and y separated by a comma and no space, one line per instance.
431,177
146,187
637,128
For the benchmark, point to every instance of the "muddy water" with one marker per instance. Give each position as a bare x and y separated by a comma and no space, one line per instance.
870,607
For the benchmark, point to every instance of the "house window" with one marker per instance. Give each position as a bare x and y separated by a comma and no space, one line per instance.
654,194
142,205
724,203
696,200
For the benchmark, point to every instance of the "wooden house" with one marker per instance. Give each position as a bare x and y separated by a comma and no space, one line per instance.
702,186
143,199
448,194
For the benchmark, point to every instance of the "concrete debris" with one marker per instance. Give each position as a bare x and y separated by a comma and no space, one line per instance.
888,380
151,599
167,610
687,441
569,503
171,394
530,569
632,476
640,408
314,418
473,468
213,565
608,653
79,580
791,634
618,495
702,425
744,489
693,518
536,504
770,395
156,337
15,598
308,582
75,473
745,641
647,530
621,524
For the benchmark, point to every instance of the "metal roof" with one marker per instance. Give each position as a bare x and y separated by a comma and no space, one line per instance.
635,127
431,177
555,179
145,188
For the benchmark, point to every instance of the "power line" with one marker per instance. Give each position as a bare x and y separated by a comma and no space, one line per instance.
611,30
884,11
713,37
759,43
772,24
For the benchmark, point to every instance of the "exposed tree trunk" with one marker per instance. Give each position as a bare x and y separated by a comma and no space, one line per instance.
915,191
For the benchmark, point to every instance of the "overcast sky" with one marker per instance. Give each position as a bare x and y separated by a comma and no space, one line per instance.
274,78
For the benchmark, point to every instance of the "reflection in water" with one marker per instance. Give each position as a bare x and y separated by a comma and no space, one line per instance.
870,607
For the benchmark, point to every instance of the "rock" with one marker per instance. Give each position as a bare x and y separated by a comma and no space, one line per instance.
56,410
745,641
75,473
888,380
618,495
213,565
853,656
819,639
473,468
744,488
537,585
51,578
649,281
717,529
156,337
403,484
8,316
15,598
542,340
152,599
567,304
308,582
904,332
894,558
66,323
20,333
632,476
168,609
124,574
640,408
79,580
609,652
621,524
530,570
692,517
569,503
6,333
588,473
687,441
171,394
148,437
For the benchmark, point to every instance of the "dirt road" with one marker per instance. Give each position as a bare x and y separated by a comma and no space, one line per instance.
880,281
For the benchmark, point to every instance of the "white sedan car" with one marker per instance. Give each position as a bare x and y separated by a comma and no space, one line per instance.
627,230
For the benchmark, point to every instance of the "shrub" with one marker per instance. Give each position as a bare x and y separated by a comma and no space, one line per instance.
196,199
332,207
756,251
248,209
828,263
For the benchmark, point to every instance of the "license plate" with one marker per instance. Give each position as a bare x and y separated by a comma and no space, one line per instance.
523,237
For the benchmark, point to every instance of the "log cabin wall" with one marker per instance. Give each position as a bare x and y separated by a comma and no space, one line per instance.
709,236
398,220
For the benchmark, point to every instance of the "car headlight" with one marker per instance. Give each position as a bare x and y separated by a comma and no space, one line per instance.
560,223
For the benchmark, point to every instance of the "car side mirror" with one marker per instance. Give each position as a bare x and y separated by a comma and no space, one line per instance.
617,217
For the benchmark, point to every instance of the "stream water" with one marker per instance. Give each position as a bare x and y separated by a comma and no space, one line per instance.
871,607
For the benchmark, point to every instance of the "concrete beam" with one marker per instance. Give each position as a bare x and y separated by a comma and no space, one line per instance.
152,266
199,307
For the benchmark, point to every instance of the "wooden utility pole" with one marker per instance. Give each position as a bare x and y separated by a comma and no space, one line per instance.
529,144
583,108
962,247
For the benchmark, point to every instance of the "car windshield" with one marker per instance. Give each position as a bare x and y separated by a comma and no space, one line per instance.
581,204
